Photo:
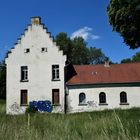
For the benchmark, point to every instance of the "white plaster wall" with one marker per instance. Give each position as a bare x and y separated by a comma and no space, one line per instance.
39,64
92,94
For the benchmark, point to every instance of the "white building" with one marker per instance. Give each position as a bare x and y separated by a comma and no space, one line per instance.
35,71
97,87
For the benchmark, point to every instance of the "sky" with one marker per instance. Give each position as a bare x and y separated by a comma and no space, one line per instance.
86,18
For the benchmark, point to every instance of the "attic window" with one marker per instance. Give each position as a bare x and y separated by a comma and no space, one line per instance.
94,73
26,50
43,49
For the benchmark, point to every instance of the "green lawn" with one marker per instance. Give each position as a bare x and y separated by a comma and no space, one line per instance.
99,125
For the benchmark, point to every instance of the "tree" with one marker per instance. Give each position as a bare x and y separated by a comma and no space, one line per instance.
64,42
136,57
124,16
77,51
2,80
96,56
127,60
80,53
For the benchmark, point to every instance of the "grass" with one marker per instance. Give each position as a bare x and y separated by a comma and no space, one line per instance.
99,125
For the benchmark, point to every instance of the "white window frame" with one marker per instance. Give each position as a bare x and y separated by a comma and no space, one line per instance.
123,97
55,73
102,98
82,98
24,73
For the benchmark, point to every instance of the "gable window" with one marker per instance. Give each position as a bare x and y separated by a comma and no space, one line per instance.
102,98
23,97
43,49
24,73
123,98
55,72
82,98
26,50
55,96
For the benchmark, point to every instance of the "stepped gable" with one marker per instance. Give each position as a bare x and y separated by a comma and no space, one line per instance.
34,21
100,74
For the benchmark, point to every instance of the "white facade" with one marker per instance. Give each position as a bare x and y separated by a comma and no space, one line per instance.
92,98
28,52
37,54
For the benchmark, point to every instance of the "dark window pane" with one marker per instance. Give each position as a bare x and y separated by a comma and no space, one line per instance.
27,50
24,73
55,96
82,98
23,97
102,97
44,49
123,97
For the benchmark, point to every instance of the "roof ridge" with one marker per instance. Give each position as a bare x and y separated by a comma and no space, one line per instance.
110,64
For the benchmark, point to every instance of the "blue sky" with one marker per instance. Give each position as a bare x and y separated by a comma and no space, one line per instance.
85,18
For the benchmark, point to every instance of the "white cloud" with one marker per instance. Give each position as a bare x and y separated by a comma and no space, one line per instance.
95,37
86,33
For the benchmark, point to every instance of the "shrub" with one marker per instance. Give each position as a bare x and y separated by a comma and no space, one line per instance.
31,109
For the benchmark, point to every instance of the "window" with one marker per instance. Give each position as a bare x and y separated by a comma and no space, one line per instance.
26,50
102,98
55,72
43,49
82,98
55,96
24,73
23,97
123,97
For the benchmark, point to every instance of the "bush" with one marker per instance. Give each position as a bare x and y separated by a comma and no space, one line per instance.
31,110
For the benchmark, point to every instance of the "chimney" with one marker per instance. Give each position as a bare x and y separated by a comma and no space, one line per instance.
35,20
106,64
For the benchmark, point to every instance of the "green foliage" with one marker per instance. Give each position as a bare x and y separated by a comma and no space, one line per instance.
65,44
31,110
124,16
2,81
77,51
96,56
135,58
80,53
98,125
127,60
2,106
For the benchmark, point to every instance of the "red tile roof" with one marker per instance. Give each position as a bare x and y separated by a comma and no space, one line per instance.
99,74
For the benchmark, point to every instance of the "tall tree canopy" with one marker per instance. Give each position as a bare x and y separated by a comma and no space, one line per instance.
124,16
96,56
65,43
78,52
